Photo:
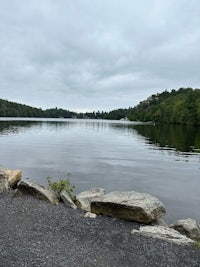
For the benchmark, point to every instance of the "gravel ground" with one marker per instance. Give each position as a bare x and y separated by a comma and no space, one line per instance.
36,233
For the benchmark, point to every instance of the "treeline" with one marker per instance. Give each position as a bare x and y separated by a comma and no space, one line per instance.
12,109
175,107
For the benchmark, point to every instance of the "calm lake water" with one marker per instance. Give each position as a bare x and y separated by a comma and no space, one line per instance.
115,155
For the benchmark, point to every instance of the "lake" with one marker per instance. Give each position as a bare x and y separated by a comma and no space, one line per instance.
161,160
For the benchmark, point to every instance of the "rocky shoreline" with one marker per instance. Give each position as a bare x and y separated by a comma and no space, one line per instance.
137,213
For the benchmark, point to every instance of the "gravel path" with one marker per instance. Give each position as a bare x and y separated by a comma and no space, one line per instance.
36,233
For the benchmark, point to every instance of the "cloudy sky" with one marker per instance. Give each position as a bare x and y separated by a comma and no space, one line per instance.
86,55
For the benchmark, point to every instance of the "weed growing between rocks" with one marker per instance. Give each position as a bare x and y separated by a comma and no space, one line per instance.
60,185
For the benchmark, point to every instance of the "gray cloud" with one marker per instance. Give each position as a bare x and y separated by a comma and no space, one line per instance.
97,55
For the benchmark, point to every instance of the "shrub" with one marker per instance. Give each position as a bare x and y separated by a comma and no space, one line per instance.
60,185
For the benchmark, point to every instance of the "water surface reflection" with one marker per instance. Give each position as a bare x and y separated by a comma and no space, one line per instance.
109,154
178,137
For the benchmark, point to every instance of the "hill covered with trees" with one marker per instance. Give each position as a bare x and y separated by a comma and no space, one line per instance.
175,107
12,109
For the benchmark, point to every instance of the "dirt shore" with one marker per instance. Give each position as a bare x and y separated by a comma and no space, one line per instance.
36,233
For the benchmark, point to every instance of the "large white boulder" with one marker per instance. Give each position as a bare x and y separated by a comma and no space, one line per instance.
84,199
187,227
131,206
38,191
165,233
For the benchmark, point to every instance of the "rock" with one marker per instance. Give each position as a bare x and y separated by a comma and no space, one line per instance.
13,176
165,233
159,222
4,186
67,199
131,206
187,227
38,191
84,199
90,215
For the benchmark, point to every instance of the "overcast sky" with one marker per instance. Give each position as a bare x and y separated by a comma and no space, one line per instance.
86,55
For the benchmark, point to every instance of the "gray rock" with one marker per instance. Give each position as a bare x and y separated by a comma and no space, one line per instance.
165,233
187,227
90,215
131,206
159,222
13,176
84,199
4,186
38,191
67,199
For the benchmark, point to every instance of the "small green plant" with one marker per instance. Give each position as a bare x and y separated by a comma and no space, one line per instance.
197,244
60,185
